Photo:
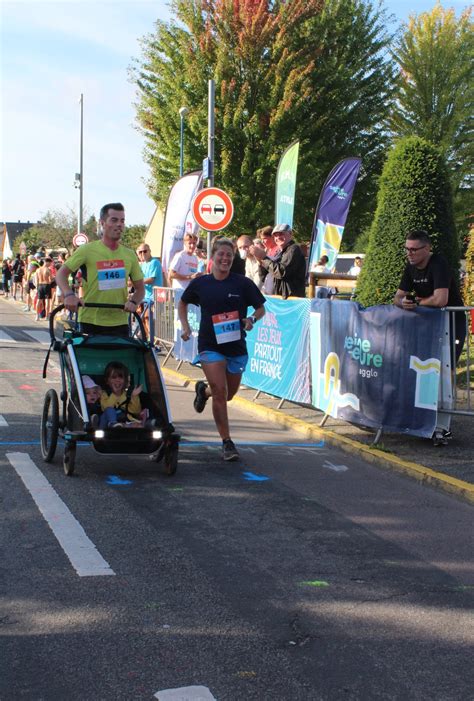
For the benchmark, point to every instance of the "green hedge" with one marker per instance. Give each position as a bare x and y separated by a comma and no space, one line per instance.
414,193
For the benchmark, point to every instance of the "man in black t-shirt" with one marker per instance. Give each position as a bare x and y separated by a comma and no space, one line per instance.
428,281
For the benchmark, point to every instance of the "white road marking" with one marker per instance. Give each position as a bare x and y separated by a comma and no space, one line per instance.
335,468
5,338
185,693
40,336
3,421
81,551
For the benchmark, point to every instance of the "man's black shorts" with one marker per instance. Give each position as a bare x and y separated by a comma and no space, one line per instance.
44,291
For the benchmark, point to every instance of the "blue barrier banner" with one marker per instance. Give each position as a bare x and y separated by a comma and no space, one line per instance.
278,348
186,350
377,367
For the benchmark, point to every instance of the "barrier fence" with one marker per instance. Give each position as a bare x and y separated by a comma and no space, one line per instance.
324,353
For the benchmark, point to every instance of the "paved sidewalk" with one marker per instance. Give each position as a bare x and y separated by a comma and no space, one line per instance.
450,467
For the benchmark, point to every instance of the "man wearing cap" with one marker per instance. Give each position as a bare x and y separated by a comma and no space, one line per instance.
288,268
106,267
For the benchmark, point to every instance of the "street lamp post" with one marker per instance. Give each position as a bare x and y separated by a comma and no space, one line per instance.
79,177
182,114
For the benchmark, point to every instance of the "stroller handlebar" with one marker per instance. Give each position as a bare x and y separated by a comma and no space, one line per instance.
60,307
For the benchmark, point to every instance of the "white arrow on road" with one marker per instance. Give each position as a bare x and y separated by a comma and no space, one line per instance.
185,693
335,468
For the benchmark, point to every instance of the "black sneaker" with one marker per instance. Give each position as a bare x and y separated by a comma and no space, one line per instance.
229,451
201,397
441,437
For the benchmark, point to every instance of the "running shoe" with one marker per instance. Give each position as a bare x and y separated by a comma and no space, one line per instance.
201,397
229,451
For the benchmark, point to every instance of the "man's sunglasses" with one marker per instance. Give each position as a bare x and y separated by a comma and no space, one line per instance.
414,250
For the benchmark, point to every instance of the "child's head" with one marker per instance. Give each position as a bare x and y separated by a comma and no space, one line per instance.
116,377
92,390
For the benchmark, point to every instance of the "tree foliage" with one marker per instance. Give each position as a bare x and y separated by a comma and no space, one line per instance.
309,69
134,235
415,193
468,287
436,91
56,230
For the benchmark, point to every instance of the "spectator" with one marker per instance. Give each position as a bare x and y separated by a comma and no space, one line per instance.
356,268
288,268
321,266
184,265
152,277
253,270
428,281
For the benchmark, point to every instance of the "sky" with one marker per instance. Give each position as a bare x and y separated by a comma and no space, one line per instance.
53,51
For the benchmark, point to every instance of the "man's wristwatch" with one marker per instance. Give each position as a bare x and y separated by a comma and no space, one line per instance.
253,319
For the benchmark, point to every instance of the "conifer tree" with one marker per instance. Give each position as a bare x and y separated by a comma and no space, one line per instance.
435,98
415,193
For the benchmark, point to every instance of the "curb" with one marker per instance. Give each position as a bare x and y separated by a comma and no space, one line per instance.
424,475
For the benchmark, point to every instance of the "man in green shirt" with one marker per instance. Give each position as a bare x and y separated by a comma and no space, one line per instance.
106,267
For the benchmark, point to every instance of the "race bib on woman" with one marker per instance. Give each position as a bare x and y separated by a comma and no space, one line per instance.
111,274
227,327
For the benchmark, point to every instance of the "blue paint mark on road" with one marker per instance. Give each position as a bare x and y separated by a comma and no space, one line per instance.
19,442
252,477
117,481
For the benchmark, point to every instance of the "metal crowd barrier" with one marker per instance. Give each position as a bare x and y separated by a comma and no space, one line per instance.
457,396
163,319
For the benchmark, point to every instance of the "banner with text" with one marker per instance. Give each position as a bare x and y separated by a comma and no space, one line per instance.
286,185
278,348
378,367
331,212
178,219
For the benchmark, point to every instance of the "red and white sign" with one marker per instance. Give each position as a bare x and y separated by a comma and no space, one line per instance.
212,209
80,239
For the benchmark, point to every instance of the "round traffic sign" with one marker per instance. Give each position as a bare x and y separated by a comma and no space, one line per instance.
80,239
212,209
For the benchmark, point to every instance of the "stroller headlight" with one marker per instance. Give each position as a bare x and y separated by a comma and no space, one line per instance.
99,434
157,434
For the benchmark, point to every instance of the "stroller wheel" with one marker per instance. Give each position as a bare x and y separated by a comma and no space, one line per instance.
49,425
170,459
69,458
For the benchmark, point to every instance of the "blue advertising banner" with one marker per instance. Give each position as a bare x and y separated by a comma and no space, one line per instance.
278,348
186,350
331,212
378,367
286,185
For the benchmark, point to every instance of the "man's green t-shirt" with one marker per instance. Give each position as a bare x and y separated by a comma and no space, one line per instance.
105,276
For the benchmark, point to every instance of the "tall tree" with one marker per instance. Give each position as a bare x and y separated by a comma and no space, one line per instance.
309,69
436,93
415,193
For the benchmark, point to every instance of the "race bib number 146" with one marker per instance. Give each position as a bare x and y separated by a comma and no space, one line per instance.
111,274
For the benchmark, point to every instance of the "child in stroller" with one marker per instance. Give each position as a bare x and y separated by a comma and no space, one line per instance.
120,404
